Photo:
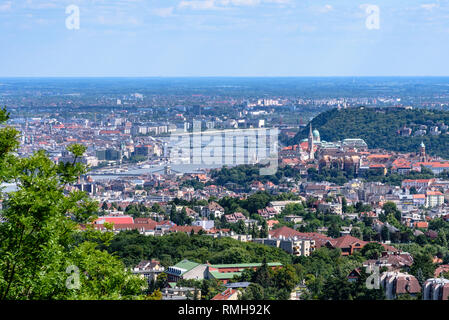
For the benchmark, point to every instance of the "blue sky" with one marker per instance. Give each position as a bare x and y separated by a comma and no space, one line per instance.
224,38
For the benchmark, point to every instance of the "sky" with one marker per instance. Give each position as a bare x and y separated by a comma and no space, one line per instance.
171,38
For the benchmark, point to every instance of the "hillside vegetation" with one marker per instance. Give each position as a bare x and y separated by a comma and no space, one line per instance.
378,127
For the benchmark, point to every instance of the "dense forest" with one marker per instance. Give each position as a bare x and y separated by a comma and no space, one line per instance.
378,127
239,178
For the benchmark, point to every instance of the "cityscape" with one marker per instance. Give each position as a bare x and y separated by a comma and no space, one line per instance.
232,184
193,171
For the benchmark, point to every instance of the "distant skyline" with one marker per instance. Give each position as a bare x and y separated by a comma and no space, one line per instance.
224,38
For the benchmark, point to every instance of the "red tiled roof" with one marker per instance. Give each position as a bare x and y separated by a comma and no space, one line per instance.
388,247
407,284
347,241
368,214
272,222
115,220
186,229
440,269
396,261
285,232
291,161
225,295
294,147
145,221
165,222
304,145
214,230
320,239
378,156
433,164
133,226
127,226
109,132
377,166
418,180
434,193
215,206
401,163
421,224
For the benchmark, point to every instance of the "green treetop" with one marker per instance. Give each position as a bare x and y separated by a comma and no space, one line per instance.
40,257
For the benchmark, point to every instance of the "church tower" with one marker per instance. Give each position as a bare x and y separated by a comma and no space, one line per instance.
311,146
422,152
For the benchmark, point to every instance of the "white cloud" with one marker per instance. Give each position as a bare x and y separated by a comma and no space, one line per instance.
198,4
163,12
6,6
41,4
278,1
326,8
118,20
239,2
430,6
221,4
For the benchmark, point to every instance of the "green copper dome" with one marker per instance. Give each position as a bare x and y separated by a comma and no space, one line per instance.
316,133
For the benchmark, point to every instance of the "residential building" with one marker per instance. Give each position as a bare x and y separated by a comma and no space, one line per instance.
212,208
225,272
280,205
205,224
186,270
228,294
180,293
334,208
434,199
235,217
396,284
417,183
149,269
436,289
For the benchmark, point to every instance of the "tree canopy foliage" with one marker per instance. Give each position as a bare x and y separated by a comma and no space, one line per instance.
41,255
133,247
379,126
